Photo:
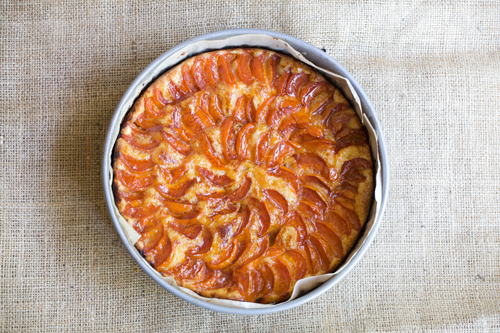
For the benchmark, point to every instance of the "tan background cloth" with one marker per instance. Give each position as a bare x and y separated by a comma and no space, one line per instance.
432,71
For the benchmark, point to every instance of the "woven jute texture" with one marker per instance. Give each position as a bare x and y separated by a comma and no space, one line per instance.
432,71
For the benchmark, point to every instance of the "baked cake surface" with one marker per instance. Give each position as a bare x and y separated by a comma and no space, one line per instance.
243,170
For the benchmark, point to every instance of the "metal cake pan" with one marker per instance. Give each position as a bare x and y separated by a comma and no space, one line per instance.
317,57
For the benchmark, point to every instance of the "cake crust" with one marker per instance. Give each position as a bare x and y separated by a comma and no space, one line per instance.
244,171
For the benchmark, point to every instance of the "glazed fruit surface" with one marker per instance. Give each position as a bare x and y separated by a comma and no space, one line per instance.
243,171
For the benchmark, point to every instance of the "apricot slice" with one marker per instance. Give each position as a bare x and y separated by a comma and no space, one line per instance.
299,264
287,175
176,143
319,182
244,218
134,164
135,181
295,82
209,151
158,98
282,277
190,232
152,110
203,117
192,121
277,200
227,139
346,190
224,211
262,111
199,73
271,70
242,191
332,238
314,163
227,256
216,279
253,252
190,269
307,134
354,163
322,249
178,172
309,215
261,149
188,82
240,108
177,190
207,241
279,153
312,197
210,71
353,138
225,72
242,141
243,69
277,115
146,125
174,90
295,220
130,196
181,210
151,236
344,201
350,216
274,251
258,208
257,67
319,145
316,260
308,92
337,223
141,211
249,283
219,180
268,280
162,252
283,82
319,103
212,67
215,109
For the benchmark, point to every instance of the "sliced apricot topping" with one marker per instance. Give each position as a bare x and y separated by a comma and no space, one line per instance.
242,191
209,151
176,143
243,69
278,154
295,82
242,150
258,208
314,163
277,200
227,139
257,67
177,190
135,181
134,164
261,149
199,73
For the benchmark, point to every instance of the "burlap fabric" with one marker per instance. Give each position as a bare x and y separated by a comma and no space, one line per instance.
432,71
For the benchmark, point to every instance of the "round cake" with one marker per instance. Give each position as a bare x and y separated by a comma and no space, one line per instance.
244,171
